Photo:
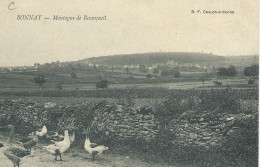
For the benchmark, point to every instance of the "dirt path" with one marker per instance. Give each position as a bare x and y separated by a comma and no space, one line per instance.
76,158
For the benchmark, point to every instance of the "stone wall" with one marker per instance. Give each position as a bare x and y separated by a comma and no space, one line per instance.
206,129
123,122
120,122
26,116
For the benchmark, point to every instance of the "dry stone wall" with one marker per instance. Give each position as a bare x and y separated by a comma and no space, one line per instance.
207,128
123,122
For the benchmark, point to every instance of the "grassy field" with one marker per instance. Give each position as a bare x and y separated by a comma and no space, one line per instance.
87,79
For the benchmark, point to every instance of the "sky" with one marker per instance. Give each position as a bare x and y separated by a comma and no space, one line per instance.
131,26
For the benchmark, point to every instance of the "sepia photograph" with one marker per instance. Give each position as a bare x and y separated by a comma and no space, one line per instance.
134,83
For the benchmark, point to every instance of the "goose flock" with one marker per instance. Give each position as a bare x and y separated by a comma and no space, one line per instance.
60,145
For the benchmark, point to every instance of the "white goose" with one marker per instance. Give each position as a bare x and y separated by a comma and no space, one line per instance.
72,137
42,132
59,147
93,148
61,137
14,154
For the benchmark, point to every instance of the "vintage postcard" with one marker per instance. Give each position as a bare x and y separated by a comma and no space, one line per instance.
134,83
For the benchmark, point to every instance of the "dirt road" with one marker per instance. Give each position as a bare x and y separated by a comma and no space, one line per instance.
75,158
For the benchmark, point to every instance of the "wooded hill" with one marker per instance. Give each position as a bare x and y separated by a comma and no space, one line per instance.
156,58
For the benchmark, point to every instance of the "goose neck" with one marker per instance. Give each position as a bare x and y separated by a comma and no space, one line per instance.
10,136
66,135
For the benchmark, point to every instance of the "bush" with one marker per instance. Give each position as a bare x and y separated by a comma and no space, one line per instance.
230,72
102,84
148,76
242,146
73,75
173,72
126,70
156,71
251,71
164,73
143,68
40,80
176,74
217,83
222,100
251,81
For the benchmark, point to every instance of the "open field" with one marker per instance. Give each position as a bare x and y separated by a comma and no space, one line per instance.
133,93
86,80
24,81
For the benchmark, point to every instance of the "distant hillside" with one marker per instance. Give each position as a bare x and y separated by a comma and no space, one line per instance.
155,58
242,61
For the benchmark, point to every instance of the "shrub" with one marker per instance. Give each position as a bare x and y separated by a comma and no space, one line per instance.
102,84
143,68
176,74
222,100
217,83
251,71
173,72
230,72
202,80
40,80
251,81
164,73
242,146
156,71
73,75
148,76
126,70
